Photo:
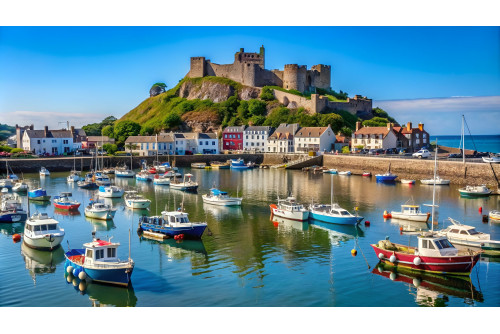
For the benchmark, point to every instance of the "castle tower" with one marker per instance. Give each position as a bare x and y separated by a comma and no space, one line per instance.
263,56
294,77
321,76
197,67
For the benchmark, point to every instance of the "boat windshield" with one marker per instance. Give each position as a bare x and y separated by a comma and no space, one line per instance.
473,231
344,213
443,243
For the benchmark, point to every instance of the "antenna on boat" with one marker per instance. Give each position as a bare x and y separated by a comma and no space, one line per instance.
28,190
434,188
128,245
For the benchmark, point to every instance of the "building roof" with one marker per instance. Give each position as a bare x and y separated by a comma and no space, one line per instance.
281,135
50,134
311,132
100,138
234,129
341,139
208,135
259,128
162,138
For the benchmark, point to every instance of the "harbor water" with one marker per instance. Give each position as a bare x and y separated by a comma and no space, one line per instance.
483,143
249,259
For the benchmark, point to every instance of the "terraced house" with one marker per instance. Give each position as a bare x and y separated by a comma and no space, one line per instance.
232,138
147,145
315,139
281,140
378,137
255,138
52,142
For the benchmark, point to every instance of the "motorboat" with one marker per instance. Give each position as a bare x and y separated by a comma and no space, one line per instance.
5,183
102,179
367,174
42,232
290,209
198,165
99,210
110,192
172,223
492,159
152,170
347,172
330,171
88,182
98,261
218,197
439,181
11,210
162,179
38,195
135,201
386,177
475,191
20,187
174,172
220,165
465,235
406,181
74,176
108,170
494,214
64,202
144,175
124,173
44,172
239,164
411,212
186,185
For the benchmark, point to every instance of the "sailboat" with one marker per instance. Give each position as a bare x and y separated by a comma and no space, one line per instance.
125,172
74,175
434,253
333,213
386,177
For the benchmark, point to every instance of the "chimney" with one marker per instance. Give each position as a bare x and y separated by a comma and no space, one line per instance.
46,131
32,127
389,126
408,126
72,130
358,126
17,126
421,126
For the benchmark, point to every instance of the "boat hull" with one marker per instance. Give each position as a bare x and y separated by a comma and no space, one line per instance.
487,245
103,215
473,194
122,174
438,183
190,232
417,218
297,215
13,217
228,202
43,243
161,182
137,205
40,198
455,265
383,178
67,206
183,188
335,220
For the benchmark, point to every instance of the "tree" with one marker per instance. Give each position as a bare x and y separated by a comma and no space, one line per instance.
125,129
110,148
376,121
147,131
345,149
256,107
172,120
335,121
379,112
108,131
267,94
277,116
346,131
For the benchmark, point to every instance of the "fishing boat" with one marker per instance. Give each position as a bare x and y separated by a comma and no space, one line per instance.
5,183
38,195
220,165
386,177
88,182
74,176
162,179
347,172
11,210
239,164
135,201
144,176
411,212
98,261
333,213
99,210
108,170
198,165
367,174
152,170
290,209
44,172
172,223
218,197
406,181
439,181
186,185
174,172
110,192
330,171
64,202
102,179
20,187
475,191
42,232
494,214
465,235
494,159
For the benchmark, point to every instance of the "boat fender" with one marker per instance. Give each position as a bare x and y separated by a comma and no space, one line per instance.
69,270
416,282
16,237
417,261
82,286
387,215
380,256
354,252
393,276
75,282
392,258
401,230
480,209
367,223
82,275
69,278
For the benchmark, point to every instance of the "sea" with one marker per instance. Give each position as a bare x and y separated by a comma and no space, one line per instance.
482,143
250,258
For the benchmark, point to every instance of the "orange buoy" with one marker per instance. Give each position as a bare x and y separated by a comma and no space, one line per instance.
276,224
480,209
401,230
176,237
367,223
181,236
16,237
354,252
387,214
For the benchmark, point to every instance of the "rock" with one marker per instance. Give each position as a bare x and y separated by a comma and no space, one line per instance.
208,90
248,93
156,90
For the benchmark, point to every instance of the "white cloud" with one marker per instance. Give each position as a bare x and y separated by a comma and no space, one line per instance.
54,120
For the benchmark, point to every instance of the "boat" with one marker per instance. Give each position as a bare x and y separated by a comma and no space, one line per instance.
38,195
439,181
5,183
290,209
465,235
220,165
239,164
172,223
110,192
135,201
198,165
411,212
44,172
162,179
367,174
152,170
348,173
74,176
144,175
186,185
475,191
42,232
11,210
494,214
218,197
102,179
88,182
173,173
494,159
330,171
406,181
386,177
20,187
108,170
63,202
99,210
98,261
124,173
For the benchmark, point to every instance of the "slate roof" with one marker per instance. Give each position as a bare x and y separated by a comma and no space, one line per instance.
310,132
234,129
162,138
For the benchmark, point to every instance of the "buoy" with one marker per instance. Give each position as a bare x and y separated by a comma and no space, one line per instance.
354,252
480,209
380,269
181,236
82,286
416,282
367,223
387,214
380,256
485,218
82,275
276,224
393,276
401,229
69,278
392,258
16,237
417,261
75,282
69,270
176,237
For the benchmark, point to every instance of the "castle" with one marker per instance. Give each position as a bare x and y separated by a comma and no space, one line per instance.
248,69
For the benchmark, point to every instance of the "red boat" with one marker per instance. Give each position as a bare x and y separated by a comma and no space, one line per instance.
367,173
152,170
64,203
434,254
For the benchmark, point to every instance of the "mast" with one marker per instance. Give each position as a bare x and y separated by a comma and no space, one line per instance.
331,191
434,188
157,162
128,245
463,139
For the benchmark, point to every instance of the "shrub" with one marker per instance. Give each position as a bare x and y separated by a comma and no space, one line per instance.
267,94
5,148
345,150
16,150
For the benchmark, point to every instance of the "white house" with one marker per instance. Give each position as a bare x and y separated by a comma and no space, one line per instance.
317,139
281,140
255,138
52,142
148,145
376,137
208,143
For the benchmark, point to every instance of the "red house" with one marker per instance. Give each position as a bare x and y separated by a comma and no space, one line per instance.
232,138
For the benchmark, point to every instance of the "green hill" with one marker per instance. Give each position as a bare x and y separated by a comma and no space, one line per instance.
6,131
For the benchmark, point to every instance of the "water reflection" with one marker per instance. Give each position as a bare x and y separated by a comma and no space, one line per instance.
222,212
41,262
430,289
410,226
11,228
338,233
285,225
100,224
61,212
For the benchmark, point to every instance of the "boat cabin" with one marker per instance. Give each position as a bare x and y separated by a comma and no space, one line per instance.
174,217
430,245
410,209
41,223
290,204
217,193
100,251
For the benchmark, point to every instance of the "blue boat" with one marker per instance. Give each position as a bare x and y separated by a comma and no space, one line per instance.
11,210
89,182
240,164
171,224
387,177
99,261
38,195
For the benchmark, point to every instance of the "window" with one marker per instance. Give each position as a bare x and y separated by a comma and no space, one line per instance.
225,136
37,228
206,142
213,142
464,232
111,252
52,227
38,141
89,254
153,146
142,146
53,140
99,254
246,137
201,143
473,231
431,246
147,146
239,136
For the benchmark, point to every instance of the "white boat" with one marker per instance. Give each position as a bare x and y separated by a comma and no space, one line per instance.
44,172
347,172
465,235
144,175
5,183
110,192
20,187
74,176
135,201
124,173
492,159
290,209
439,181
330,171
199,165
494,214
217,197
42,232
475,191
173,172
102,179
406,181
161,180
98,210
187,184
411,212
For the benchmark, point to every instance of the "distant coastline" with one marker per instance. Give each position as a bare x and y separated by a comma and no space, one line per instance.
483,143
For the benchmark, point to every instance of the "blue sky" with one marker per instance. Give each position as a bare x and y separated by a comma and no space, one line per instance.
417,74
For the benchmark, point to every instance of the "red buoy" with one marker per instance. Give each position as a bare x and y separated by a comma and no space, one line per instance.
480,209
176,237
367,223
181,236
276,224
16,237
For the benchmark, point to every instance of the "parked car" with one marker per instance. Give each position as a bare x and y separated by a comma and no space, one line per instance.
391,151
372,151
422,154
379,151
455,156
363,151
